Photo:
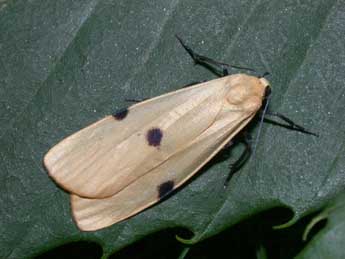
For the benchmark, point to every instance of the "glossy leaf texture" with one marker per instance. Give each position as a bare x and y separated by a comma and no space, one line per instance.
66,64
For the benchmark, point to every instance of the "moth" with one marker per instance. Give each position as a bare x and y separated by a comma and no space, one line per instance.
128,161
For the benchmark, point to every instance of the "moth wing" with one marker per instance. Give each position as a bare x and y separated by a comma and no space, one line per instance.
94,214
103,158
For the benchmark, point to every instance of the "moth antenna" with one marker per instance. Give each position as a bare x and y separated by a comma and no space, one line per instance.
260,125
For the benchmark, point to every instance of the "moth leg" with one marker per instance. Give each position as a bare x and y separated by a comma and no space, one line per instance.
264,74
290,124
213,65
234,167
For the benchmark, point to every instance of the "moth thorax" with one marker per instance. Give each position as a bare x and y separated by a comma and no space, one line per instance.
237,94
246,96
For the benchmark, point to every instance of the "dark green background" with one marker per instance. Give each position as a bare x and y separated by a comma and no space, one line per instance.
65,64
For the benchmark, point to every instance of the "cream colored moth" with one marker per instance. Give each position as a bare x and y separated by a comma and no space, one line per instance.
127,162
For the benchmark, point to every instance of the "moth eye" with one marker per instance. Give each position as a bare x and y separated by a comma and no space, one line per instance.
154,137
268,91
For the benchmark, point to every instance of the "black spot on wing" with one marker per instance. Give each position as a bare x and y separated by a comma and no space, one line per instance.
121,114
165,188
154,137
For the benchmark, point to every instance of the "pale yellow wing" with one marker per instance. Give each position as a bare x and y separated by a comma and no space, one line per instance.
102,159
93,214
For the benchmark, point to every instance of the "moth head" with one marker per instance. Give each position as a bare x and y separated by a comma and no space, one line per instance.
264,82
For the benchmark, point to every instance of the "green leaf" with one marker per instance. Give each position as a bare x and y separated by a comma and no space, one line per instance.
66,64
329,241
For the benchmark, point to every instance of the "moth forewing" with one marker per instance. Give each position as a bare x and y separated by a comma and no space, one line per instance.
93,214
239,103
100,160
